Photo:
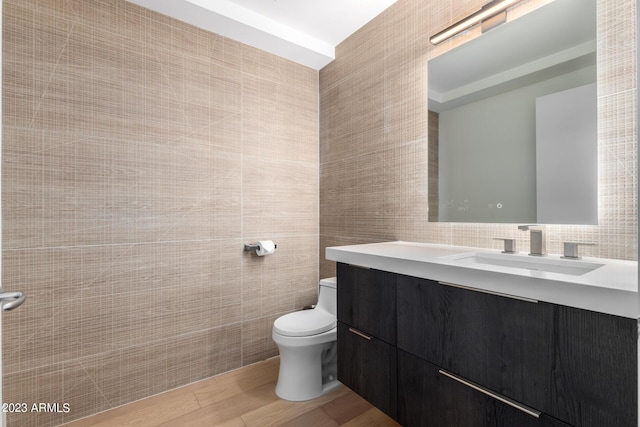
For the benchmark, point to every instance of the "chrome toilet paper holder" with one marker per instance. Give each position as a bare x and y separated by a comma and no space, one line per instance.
254,247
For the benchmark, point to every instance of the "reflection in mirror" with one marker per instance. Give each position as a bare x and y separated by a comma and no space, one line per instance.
512,122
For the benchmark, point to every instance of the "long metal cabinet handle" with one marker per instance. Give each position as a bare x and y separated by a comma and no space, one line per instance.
503,399
360,334
468,288
17,297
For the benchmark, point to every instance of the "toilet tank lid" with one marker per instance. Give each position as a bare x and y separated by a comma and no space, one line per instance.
304,323
329,281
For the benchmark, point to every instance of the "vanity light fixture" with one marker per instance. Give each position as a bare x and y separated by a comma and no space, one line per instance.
488,11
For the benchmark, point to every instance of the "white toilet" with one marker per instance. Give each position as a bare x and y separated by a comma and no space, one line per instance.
308,352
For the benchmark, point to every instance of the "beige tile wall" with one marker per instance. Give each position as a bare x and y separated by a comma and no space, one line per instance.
139,155
373,135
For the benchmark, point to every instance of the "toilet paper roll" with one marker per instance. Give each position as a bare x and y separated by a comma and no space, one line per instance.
265,247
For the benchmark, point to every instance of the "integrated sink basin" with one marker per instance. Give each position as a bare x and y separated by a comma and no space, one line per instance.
601,285
549,265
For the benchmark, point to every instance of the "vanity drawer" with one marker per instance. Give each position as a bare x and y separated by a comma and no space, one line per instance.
502,343
427,396
368,366
367,301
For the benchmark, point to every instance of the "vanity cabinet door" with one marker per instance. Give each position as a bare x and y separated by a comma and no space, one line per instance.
367,361
427,397
420,309
505,344
367,301
595,369
368,366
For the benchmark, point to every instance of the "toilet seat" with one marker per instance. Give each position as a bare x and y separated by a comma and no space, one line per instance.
304,323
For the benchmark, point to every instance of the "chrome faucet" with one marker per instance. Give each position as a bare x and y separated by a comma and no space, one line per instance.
537,243
571,249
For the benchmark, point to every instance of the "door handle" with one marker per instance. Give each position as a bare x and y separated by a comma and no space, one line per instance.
360,334
484,291
16,297
501,398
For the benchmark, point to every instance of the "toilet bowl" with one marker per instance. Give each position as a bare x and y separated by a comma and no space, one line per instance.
307,343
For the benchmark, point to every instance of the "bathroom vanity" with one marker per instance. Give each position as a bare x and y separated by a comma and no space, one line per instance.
451,336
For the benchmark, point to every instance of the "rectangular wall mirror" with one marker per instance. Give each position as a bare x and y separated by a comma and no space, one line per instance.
512,122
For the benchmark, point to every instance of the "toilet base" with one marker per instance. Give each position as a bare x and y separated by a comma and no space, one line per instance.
293,397
301,370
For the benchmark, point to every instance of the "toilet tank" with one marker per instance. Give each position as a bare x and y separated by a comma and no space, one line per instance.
328,296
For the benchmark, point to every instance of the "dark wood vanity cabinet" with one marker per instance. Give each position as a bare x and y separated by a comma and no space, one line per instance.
502,343
427,397
578,366
368,367
367,301
575,367
367,357
420,317
594,371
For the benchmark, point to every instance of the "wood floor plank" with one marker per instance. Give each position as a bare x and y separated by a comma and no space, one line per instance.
230,408
372,417
314,418
345,407
236,422
283,411
145,413
232,383
242,398
253,375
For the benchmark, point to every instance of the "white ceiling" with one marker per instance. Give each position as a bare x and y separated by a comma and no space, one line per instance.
553,38
304,31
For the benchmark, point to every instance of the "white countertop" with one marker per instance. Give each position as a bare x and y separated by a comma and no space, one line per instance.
612,288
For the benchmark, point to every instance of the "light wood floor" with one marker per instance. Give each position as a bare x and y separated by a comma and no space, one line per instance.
241,398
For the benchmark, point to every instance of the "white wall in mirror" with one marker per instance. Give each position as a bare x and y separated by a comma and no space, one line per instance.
567,156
